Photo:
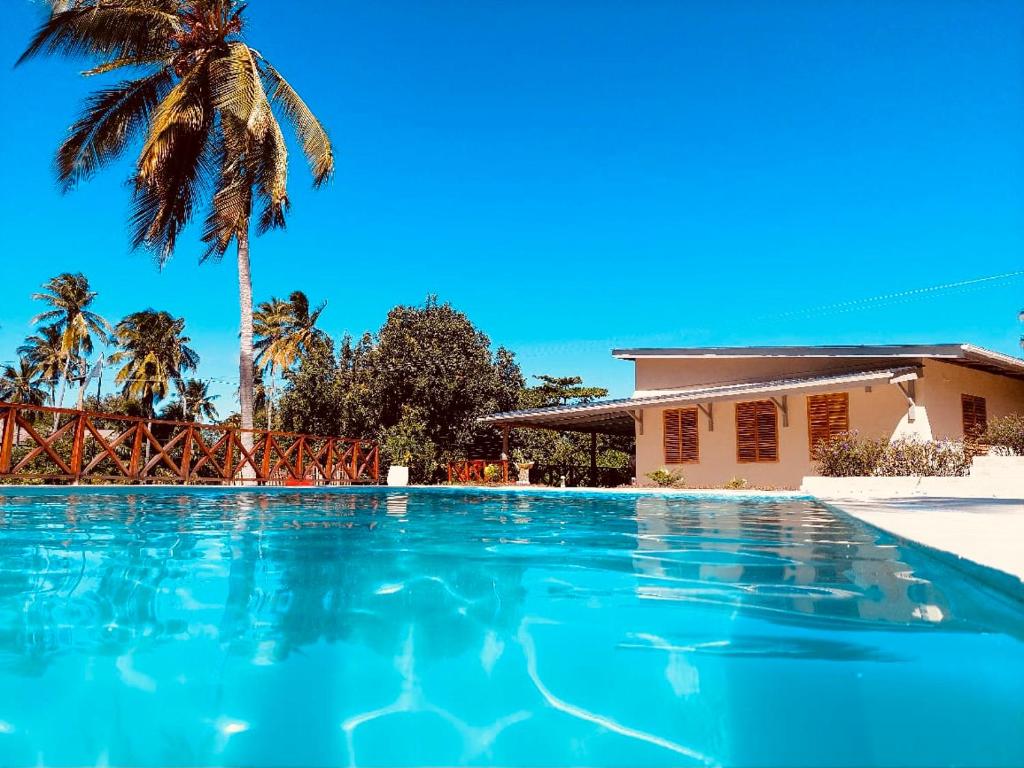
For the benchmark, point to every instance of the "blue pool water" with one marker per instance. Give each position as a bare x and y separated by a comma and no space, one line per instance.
366,627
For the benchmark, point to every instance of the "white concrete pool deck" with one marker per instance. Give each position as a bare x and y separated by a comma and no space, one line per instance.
989,532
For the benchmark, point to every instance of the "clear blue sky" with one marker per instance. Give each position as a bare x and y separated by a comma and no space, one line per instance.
582,175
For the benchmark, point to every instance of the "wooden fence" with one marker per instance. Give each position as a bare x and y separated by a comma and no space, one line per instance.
60,445
475,471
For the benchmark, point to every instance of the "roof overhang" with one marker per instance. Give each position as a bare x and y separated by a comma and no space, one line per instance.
618,416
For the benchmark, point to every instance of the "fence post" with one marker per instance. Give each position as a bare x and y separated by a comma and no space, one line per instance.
186,455
76,446
133,465
229,472
376,464
329,464
10,423
355,461
298,461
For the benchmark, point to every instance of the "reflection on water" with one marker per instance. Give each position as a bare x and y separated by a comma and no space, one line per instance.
432,628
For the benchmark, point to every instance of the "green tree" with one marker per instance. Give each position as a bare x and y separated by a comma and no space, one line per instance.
194,402
22,383
155,355
417,387
202,101
69,298
44,350
284,331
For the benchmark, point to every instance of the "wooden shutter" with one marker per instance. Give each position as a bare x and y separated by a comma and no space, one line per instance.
827,415
681,445
757,432
975,416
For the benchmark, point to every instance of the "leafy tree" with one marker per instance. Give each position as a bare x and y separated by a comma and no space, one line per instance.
417,387
203,103
69,298
155,354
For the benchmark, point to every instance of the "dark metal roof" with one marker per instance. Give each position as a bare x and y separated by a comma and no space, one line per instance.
614,416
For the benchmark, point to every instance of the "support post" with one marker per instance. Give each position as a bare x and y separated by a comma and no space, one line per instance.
638,419
504,443
782,403
709,411
593,459
76,446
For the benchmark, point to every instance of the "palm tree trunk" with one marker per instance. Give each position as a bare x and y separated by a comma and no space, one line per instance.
245,356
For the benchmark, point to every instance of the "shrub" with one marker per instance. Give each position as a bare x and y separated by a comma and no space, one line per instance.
737,484
1006,435
492,473
849,455
666,478
906,457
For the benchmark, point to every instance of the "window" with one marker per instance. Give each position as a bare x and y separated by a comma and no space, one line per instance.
827,415
757,432
681,445
975,416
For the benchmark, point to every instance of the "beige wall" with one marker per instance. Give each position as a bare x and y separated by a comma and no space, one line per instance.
691,372
882,412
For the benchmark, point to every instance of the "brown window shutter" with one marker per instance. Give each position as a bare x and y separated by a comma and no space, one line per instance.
975,416
681,441
757,431
827,415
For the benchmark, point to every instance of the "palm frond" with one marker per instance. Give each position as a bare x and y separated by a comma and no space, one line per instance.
272,180
315,143
120,28
110,120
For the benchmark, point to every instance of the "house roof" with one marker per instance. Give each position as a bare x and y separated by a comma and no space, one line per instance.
616,416
967,355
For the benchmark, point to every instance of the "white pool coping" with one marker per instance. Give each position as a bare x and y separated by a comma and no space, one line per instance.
987,532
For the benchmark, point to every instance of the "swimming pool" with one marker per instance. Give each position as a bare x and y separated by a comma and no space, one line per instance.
437,627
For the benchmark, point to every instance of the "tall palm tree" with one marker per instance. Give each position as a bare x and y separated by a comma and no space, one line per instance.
22,383
285,331
204,108
155,354
69,297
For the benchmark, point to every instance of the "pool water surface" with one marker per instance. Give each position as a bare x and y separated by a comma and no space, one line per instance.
151,627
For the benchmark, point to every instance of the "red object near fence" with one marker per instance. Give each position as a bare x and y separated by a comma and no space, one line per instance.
65,445
475,470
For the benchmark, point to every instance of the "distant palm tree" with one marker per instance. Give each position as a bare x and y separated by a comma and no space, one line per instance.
22,384
69,298
155,354
194,402
44,351
204,105
285,331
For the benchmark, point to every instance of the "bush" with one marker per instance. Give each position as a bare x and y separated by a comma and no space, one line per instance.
666,478
1006,435
849,455
493,473
737,484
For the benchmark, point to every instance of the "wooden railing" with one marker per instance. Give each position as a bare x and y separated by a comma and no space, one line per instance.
475,471
39,443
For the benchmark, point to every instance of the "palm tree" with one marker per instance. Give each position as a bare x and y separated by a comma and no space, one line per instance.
22,384
285,330
44,351
69,298
155,354
194,402
204,107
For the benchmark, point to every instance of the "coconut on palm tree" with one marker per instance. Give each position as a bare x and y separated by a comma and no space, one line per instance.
204,109
285,331
69,297
155,354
